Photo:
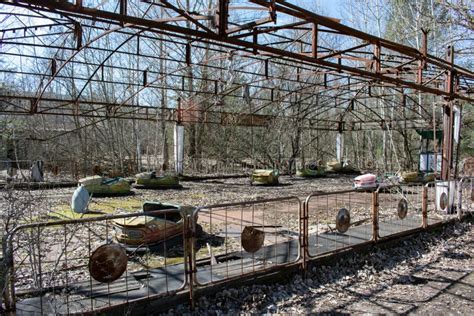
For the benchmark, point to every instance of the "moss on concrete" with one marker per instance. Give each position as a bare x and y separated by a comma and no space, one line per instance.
98,208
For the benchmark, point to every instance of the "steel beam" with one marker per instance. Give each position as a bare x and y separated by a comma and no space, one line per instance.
132,21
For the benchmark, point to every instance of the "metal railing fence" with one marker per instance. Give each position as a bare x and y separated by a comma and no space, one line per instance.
50,265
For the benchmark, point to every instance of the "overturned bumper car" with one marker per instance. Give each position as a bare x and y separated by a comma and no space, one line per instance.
311,170
100,186
164,222
265,176
149,180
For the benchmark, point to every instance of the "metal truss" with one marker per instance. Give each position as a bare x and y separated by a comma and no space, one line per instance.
245,63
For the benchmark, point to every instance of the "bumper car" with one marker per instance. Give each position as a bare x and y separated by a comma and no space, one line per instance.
338,167
417,177
365,181
149,180
265,176
311,170
148,230
100,186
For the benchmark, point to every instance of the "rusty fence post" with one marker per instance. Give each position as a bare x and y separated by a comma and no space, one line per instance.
424,207
9,294
189,229
375,216
303,234
460,184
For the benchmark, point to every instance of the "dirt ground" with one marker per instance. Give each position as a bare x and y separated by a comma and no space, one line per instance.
200,193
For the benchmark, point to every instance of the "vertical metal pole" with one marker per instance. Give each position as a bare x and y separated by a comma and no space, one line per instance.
123,10
303,234
145,78
179,148
422,61
458,145
460,198
340,144
435,144
255,41
78,35
375,216
40,271
419,75
447,140
53,66
188,54
222,17
424,207
266,72
315,41
448,121
10,301
190,266
377,53
424,47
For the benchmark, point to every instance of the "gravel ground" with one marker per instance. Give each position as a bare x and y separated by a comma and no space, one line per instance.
430,273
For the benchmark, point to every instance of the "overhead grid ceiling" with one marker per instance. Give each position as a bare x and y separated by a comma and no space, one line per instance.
232,62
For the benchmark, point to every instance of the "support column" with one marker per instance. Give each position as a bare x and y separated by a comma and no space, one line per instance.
448,120
222,18
339,146
447,157
178,148
457,135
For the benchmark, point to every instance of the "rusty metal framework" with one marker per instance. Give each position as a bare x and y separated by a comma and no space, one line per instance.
73,53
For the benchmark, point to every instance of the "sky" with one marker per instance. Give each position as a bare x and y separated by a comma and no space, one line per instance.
329,7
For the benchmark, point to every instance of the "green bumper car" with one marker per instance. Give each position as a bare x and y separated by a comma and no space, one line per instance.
417,177
265,176
311,170
100,186
342,168
149,180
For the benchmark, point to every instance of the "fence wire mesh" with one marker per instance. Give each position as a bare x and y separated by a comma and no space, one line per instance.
79,266
338,220
400,208
239,239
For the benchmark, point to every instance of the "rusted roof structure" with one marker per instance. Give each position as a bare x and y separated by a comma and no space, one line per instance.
227,64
